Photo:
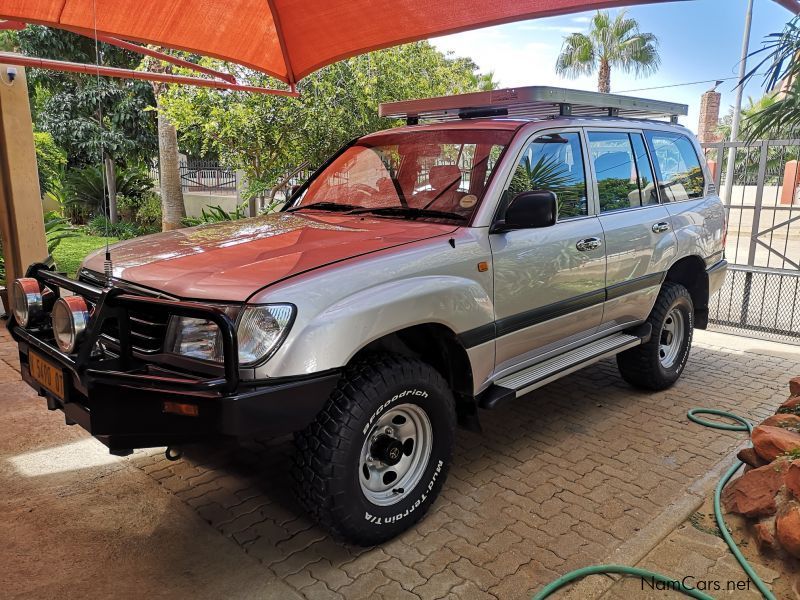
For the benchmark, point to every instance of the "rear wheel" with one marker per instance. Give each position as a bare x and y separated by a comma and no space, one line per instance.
375,459
658,363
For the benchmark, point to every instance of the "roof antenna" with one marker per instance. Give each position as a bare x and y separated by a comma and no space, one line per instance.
108,267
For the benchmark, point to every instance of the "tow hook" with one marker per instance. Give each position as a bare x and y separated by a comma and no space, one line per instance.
173,453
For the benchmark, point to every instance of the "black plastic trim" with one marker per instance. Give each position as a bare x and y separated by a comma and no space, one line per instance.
501,327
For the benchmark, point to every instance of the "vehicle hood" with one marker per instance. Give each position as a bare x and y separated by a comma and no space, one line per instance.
232,260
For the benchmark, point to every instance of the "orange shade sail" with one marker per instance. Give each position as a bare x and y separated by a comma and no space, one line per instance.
287,39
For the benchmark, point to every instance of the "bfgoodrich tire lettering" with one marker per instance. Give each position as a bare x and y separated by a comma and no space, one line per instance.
657,364
328,468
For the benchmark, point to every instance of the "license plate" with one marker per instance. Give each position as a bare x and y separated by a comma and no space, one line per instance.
47,374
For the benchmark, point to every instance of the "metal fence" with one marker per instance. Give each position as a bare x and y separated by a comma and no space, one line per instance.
203,176
760,294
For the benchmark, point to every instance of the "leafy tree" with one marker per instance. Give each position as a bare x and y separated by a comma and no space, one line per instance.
611,42
778,115
265,136
91,118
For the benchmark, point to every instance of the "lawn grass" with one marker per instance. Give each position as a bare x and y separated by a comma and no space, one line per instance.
69,254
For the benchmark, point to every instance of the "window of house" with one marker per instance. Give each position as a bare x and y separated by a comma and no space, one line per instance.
554,163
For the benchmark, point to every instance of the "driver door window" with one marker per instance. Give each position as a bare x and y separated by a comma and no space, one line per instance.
554,163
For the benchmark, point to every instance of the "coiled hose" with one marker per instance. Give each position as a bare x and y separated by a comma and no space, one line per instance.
740,424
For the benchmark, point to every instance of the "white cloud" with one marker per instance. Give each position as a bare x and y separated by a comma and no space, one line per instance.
581,19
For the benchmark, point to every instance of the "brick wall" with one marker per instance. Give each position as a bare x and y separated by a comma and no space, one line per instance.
709,117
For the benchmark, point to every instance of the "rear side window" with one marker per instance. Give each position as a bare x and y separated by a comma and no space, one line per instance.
554,162
624,176
680,176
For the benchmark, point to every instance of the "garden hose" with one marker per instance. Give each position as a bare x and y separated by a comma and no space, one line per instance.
739,425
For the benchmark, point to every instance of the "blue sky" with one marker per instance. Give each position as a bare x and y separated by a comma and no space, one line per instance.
699,40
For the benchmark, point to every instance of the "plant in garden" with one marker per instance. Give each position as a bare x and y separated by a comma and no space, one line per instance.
215,214
57,228
84,189
611,42
51,160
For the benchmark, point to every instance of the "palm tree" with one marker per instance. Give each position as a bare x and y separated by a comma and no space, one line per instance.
779,116
610,42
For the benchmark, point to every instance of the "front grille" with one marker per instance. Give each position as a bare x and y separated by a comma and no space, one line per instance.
147,331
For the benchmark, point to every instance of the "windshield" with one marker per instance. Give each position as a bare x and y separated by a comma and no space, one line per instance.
431,175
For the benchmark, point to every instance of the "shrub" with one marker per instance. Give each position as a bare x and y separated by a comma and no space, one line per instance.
85,188
123,230
51,160
57,228
216,214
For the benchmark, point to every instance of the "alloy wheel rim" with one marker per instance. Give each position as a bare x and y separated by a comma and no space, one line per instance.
671,338
395,454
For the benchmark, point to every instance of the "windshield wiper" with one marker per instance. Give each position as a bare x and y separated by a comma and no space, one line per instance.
332,206
409,212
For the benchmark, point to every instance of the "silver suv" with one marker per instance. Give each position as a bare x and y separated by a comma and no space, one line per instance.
421,274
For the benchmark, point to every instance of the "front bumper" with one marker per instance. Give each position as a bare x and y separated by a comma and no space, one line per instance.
127,402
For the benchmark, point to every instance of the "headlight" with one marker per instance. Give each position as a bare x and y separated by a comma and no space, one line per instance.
27,300
70,316
260,331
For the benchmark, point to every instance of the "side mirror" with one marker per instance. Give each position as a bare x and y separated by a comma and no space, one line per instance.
528,210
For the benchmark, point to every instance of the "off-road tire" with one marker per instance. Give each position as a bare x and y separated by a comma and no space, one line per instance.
328,452
642,366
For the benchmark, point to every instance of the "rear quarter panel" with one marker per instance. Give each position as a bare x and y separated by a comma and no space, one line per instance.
699,227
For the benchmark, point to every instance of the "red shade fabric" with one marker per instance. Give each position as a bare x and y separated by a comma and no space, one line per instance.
287,39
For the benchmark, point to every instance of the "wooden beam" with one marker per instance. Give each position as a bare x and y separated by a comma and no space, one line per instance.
21,220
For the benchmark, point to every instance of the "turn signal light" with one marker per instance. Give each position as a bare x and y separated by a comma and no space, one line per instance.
181,408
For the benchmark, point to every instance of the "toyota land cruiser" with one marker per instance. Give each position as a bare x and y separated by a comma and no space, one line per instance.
421,274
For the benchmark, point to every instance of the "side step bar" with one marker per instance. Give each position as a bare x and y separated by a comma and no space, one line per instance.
520,383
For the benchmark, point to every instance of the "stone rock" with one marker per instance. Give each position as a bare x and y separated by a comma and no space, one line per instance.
785,421
765,533
787,528
770,442
749,457
753,494
791,406
792,479
794,386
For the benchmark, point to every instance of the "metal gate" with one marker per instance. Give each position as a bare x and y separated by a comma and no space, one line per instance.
761,294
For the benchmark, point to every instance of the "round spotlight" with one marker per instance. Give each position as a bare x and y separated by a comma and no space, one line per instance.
70,317
27,300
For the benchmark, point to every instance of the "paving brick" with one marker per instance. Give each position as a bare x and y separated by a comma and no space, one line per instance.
439,585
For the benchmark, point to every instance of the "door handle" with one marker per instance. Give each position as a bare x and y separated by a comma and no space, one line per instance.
588,244
661,227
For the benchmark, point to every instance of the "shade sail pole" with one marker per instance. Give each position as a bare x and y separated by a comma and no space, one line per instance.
13,58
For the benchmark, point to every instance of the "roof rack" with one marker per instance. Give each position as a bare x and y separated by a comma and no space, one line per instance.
536,102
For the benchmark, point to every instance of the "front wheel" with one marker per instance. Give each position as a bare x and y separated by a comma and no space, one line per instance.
375,459
658,363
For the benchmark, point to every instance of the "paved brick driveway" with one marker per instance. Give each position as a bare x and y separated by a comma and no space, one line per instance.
557,480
